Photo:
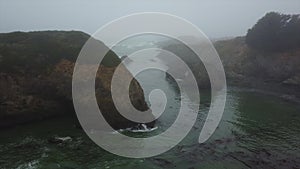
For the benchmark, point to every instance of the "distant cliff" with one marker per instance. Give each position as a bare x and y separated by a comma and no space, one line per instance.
275,32
36,78
268,55
270,71
267,58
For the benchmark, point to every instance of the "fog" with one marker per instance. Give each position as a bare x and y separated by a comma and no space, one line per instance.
217,18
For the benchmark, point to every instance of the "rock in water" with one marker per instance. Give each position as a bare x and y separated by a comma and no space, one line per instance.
58,140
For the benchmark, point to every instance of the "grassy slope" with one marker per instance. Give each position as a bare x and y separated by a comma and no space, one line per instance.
34,52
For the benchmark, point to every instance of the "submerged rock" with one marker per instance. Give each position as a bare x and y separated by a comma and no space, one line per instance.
163,163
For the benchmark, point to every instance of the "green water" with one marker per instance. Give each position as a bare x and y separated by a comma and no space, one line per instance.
256,131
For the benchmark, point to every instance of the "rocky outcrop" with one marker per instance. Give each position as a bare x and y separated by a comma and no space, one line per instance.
294,80
36,78
62,76
190,58
19,104
269,54
241,61
275,71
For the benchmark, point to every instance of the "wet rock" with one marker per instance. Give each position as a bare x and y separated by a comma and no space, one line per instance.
163,163
295,80
58,140
140,127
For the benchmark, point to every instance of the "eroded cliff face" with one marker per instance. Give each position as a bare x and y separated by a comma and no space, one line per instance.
43,87
270,71
241,61
63,72
25,99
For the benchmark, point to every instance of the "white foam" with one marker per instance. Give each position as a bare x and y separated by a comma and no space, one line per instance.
143,130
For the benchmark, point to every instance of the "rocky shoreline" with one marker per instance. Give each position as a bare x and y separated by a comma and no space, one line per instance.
285,92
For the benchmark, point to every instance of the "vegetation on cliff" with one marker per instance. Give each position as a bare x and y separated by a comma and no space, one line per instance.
268,57
36,77
275,32
37,52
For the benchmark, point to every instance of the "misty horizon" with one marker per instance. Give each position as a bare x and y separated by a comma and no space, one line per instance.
217,19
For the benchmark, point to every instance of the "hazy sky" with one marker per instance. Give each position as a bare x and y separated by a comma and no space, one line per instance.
217,18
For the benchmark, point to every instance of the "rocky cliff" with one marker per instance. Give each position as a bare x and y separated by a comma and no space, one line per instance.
276,72
279,71
268,56
36,78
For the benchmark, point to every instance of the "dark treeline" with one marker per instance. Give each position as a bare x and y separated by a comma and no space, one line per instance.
275,32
